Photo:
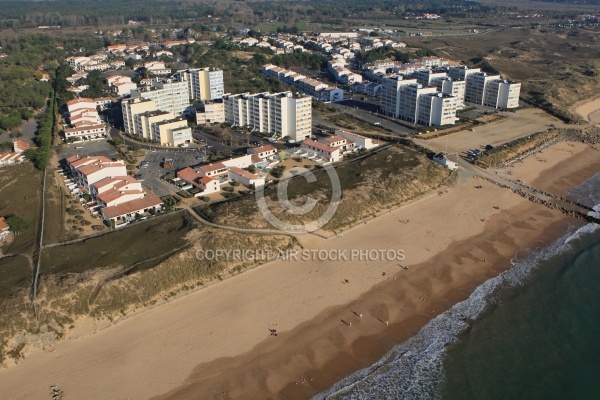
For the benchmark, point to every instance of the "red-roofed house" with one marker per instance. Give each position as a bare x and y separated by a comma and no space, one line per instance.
20,146
213,170
4,228
265,152
246,178
319,149
207,184
89,170
126,212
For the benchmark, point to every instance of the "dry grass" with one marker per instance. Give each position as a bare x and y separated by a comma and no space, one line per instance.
110,292
382,180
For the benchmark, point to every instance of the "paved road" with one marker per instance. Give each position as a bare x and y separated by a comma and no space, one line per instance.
154,172
95,148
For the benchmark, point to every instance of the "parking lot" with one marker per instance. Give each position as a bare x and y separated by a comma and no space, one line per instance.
152,174
97,148
519,124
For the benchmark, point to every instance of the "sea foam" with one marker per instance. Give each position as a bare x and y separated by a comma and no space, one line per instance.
414,368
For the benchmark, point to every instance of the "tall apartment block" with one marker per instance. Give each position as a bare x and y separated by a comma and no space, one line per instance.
168,95
146,119
502,93
203,83
283,114
454,88
409,100
487,90
131,107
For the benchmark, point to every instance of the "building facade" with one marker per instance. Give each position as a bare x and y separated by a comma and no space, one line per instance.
283,114
203,83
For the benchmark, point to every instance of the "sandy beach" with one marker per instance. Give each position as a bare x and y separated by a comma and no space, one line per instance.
214,342
590,110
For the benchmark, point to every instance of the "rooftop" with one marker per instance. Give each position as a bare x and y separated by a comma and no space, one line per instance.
150,200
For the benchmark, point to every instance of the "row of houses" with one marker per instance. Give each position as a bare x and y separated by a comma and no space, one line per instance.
96,62
208,178
342,73
319,90
84,120
107,189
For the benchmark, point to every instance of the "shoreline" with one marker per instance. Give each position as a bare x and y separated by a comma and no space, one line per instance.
321,362
588,109
364,346
221,325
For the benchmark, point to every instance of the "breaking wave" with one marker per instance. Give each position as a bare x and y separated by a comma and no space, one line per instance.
414,369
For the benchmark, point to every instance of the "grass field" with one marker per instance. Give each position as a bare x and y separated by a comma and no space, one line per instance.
15,272
20,193
138,243
54,221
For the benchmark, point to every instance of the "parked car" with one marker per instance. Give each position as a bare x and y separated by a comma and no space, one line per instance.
489,147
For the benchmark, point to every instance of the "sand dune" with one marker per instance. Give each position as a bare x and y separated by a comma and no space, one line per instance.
590,110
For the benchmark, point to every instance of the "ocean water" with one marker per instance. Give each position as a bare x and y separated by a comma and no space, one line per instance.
533,332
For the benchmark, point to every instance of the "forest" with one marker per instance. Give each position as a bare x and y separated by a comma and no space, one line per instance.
73,13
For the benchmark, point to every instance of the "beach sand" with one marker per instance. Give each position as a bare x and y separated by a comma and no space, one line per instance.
214,343
590,110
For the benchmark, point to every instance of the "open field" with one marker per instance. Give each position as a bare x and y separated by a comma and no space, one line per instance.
20,194
125,247
15,272
557,66
56,203
381,180
519,124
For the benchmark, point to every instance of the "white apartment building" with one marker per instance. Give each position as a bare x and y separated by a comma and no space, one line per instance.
436,109
168,96
501,93
203,83
475,90
461,72
454,88
283,114
411,101
488,90
144,119
429,77
144,122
